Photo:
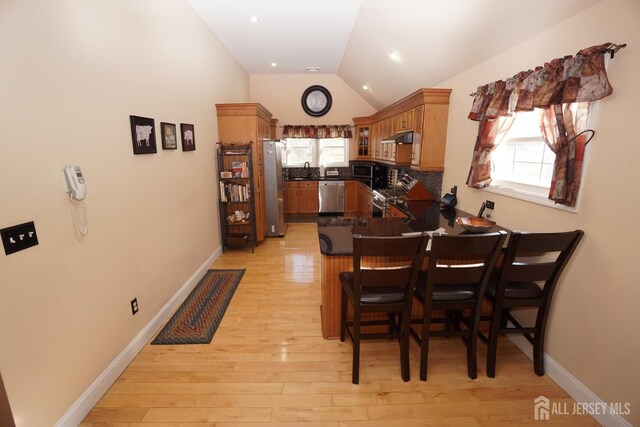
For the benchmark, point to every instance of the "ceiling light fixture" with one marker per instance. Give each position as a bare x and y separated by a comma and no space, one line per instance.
313,69
274,64
394,56
365,87
254,19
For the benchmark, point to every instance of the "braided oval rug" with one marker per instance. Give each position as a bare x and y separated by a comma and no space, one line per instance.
197,319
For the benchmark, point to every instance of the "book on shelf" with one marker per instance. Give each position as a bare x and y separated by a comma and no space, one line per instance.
231,192
239,169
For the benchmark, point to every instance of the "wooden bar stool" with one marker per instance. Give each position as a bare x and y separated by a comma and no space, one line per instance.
455,281
385,271
530,259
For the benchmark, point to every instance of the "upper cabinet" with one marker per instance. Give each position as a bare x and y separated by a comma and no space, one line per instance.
361,138
425,112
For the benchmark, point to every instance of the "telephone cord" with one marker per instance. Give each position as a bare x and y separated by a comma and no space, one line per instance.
82,225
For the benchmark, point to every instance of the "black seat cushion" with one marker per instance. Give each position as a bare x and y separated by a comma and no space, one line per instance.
517,290
371,294
453,292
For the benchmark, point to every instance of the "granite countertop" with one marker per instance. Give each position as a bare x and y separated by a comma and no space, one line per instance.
336,234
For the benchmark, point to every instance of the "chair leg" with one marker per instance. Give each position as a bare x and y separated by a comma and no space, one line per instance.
392,322
492,346
472,346
424,345
538,344
343,314
405,324
355,375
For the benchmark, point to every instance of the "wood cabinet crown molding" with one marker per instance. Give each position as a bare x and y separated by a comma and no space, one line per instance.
244,109
419,97
360,121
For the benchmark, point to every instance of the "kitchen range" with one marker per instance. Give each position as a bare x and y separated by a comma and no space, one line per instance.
398,194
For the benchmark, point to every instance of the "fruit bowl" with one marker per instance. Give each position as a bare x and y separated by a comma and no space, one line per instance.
474,224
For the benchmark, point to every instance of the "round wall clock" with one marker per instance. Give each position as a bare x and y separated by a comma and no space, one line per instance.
316,101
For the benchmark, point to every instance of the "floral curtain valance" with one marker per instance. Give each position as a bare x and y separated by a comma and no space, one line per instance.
579,78
317,132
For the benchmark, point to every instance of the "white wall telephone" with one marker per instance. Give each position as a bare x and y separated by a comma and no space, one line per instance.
75,182
77,191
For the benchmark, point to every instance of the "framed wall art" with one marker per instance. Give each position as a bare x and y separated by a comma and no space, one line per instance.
169,137
188,137
143,135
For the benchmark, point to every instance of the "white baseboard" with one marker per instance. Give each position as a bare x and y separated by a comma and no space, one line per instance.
574,388
81,407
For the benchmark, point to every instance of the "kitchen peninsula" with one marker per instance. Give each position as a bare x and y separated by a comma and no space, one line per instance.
336,236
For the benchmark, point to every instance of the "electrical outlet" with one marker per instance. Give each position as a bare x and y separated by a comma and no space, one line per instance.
19,237
134,306
489,204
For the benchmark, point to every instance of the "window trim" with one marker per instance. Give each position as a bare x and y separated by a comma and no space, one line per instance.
508,189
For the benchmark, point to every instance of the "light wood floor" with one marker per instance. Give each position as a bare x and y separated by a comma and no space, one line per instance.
268,364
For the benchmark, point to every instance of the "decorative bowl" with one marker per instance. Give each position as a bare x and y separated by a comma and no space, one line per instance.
474,224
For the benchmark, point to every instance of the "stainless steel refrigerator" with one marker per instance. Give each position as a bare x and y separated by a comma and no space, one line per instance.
274,188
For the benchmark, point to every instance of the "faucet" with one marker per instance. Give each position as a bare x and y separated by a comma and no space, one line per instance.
307,167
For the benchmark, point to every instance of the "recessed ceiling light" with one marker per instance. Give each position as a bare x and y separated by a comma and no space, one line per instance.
254,19
365,87
394,56
274,64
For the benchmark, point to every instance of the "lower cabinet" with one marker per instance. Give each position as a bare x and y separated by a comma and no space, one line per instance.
365,201
351,198
301,197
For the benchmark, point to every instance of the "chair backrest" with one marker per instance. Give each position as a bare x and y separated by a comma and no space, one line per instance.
537,257
388,261
463,259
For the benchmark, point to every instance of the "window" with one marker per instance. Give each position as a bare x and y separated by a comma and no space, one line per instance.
297,151
318,152
523,159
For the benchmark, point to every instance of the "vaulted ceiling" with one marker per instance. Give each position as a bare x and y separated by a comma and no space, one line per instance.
433,39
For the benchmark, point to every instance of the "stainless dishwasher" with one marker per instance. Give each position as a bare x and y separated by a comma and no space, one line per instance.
331,197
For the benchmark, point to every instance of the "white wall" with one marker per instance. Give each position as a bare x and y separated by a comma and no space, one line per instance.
592,326
71,74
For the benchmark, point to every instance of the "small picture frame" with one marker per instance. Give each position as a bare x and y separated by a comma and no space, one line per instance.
169,136
143,135
188,137
226,174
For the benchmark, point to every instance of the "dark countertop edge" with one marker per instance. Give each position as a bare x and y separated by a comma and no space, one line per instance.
319,179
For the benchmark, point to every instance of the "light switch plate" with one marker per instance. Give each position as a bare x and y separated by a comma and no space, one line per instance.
19,237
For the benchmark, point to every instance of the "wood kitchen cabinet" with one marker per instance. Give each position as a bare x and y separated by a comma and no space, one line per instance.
301,197
425,112
361,137
351,198
242,123
430,133
404,121
365,201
